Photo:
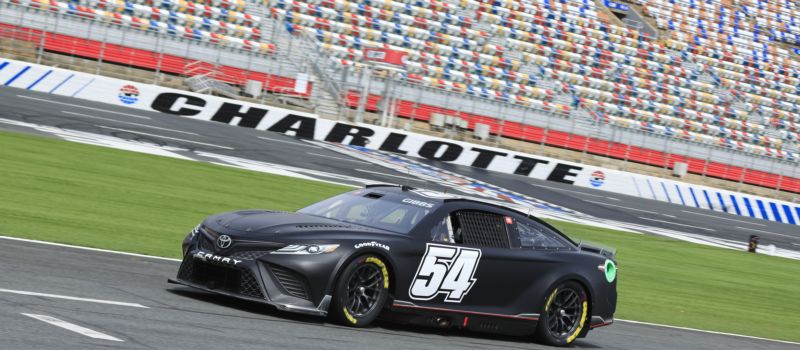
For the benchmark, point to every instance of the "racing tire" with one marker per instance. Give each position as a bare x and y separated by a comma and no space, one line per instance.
361,292
564,315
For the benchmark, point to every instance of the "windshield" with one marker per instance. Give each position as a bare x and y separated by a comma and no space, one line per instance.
394,212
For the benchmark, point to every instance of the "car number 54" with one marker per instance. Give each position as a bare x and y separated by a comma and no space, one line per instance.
445,270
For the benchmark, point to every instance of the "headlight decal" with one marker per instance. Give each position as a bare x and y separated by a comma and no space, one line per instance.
307,249
195,230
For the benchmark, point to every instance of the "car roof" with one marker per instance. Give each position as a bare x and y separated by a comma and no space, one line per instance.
421,193
441,197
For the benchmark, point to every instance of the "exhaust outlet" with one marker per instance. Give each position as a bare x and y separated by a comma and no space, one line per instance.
442,321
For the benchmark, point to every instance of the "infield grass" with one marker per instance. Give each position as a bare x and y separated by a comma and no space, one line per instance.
105,198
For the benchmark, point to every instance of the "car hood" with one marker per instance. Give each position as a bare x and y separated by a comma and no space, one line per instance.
254,223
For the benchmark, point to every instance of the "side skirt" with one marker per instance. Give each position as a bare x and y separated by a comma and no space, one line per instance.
410,313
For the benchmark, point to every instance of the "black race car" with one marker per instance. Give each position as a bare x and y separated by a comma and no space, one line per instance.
411,256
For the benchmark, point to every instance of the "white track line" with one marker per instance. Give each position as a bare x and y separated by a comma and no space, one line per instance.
623,207
130,123
721,218
339,158
674,223
73,327
66,297
86,248
705,331
84,107
289,142
768,232
164,137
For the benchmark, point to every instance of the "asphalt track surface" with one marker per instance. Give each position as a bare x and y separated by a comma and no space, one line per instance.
178,317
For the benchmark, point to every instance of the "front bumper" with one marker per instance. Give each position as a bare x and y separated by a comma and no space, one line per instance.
249,279
320,310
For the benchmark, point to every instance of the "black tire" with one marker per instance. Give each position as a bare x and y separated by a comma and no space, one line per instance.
361,292
564,315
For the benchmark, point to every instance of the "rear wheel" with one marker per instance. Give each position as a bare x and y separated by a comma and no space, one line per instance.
564,315
361,292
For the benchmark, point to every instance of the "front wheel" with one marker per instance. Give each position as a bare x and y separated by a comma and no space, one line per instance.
564,315
361,292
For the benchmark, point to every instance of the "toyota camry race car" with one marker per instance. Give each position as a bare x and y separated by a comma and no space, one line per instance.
411,256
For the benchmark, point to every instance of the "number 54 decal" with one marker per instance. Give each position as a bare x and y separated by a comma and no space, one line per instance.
447,270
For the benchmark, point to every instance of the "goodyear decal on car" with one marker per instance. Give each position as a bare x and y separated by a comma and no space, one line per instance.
372,244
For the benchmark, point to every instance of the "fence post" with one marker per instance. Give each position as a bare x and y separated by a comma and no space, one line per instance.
160,59
385,98
571,132
502,125
545,133
102,51
705,166
215,73
585,150
124,33
393,107
42,42
745,168
363,98
612,140
250,68
627,149
667,155
794,176
524,123
21,17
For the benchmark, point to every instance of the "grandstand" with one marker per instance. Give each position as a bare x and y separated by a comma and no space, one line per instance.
716,86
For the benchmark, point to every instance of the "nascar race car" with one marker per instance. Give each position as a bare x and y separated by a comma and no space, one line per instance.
411,256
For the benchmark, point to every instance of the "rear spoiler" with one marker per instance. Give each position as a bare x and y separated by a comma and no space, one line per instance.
597,248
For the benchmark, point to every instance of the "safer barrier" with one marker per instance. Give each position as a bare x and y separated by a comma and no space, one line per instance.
179,103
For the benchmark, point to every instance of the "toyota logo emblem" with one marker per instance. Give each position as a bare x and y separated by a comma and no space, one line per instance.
224,241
